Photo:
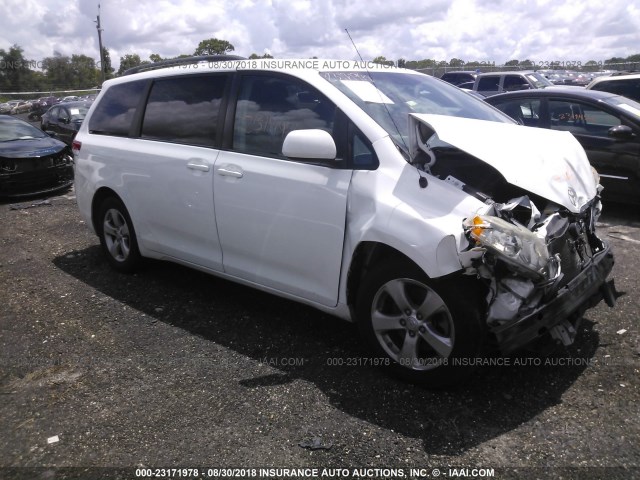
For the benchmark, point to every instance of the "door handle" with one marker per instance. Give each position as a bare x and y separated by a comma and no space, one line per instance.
230,171
198,165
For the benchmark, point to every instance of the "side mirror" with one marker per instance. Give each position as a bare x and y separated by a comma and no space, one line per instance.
312,144
63,120
621,132
51,134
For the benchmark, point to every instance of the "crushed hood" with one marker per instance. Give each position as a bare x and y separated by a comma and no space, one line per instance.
31,147
549,163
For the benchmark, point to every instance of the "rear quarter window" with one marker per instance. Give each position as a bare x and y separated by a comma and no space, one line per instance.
117,108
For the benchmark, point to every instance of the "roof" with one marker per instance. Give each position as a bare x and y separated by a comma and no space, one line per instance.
302,67
576,92
172,62
613,78
507,72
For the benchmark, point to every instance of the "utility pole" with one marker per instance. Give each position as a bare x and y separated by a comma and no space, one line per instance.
100,44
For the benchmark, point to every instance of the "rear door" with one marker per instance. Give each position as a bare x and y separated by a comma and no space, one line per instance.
281,221
171,168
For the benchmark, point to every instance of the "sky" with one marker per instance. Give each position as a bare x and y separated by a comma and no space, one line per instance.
487,31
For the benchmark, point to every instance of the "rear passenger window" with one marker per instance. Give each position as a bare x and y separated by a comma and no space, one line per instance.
184,109
489,83
270,107
114,113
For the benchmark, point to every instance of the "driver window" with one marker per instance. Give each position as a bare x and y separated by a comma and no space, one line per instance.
269,107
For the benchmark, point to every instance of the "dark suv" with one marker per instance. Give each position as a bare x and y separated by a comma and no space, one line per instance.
497,82
457,78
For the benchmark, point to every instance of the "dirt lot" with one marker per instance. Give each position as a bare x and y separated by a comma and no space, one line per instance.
173,368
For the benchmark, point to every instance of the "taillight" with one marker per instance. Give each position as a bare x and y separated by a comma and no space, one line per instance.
75,146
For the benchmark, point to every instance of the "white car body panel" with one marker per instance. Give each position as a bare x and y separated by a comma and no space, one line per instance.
274,216
389,207
156,183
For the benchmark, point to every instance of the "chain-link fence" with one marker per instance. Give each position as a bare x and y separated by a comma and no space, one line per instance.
440,70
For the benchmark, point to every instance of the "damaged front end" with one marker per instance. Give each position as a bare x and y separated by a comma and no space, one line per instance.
534,241
543,271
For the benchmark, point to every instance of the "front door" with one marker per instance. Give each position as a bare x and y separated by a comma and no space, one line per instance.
281,221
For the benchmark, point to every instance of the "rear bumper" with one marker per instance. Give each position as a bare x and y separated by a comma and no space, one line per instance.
583,292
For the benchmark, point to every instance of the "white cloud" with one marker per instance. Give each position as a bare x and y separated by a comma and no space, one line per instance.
542,30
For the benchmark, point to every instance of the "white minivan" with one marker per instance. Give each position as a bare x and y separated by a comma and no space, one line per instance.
380,195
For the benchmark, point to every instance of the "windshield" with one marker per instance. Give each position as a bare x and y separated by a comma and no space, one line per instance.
388,97
630,106
539,81
11,129
78,113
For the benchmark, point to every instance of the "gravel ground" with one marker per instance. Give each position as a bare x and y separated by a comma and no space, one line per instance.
174,368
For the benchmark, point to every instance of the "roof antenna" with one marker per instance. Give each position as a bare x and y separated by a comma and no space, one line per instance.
423,180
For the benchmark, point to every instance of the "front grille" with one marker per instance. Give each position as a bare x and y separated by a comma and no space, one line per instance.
23,176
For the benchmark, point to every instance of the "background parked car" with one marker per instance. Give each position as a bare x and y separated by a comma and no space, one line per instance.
31,162
456,78
21,107
64,119
607,126
625,85
70,98
5,107
41,105
467,86
567,77
497,82
8,106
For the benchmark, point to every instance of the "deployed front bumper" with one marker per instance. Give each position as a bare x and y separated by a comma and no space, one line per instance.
586,290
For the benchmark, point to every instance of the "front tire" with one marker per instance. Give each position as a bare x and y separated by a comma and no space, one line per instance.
117,236
429,330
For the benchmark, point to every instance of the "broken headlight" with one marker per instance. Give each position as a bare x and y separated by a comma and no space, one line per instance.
512,243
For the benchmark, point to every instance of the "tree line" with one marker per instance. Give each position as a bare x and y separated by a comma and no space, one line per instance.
78,71
75,72
589,66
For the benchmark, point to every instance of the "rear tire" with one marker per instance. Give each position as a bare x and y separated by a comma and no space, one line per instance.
117,236
427,331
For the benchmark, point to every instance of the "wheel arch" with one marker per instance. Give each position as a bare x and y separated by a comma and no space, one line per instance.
100,196
366,255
